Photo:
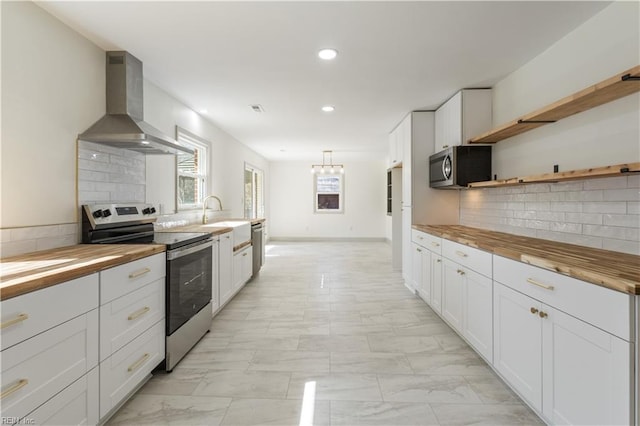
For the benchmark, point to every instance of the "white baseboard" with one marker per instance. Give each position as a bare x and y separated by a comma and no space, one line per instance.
325,239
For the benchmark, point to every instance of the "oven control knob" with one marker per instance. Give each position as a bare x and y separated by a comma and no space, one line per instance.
146,210
152,210
106,213
97,213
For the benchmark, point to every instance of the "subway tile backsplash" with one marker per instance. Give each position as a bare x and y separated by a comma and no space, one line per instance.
601,213
110,175
17,241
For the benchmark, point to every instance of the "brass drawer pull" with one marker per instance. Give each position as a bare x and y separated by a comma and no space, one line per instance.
438,260
138,313
16,320
534,311
433,243
461,254
139,273
17,386
420,237
460,271
419,250
543,314
244,254
445,146
138,363
539,284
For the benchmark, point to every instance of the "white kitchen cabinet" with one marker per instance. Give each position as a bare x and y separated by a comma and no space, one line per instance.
587,373
395,147
407,255
126,369
77,404
417,255
571,371
478,316
242,267
215,275
225,266
465,115
408,138
38,368
436,283
517,352
132,328
467,303
452,294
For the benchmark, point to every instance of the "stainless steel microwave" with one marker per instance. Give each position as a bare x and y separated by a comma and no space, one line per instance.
458,166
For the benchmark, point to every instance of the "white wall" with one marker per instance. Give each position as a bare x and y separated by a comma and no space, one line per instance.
292,208
53,82
52,88
602,213
606,44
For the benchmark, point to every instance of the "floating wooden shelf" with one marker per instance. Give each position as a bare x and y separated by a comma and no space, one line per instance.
596,172
613,88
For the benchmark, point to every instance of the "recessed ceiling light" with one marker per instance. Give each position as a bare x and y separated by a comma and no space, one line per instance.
328,108
327,54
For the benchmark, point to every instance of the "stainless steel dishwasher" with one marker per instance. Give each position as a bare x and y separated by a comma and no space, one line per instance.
256,242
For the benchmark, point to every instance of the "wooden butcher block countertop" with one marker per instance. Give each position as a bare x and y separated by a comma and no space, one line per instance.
617,271
210,227
34,271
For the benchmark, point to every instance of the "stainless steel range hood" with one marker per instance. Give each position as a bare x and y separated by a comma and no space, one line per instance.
123,126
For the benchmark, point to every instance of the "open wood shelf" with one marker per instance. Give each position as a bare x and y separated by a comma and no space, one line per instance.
596,172
616,87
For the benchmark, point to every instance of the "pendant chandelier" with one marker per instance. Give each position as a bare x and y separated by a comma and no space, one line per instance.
329,167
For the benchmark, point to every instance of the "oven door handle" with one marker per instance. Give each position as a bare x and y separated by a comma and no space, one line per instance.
184,251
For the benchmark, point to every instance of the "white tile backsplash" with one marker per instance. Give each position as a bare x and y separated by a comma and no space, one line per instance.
17,241
601,213
110,175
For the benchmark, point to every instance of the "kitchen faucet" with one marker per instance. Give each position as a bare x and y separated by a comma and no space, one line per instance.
204,207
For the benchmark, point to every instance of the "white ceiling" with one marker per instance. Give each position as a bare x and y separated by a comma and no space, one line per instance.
394,57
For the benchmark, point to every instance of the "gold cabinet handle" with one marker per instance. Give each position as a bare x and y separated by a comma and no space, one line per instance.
244,254
15,387
138,313
445,146
460,271
539,284
139,273
16,320
461,254
418,250
138,363
543,314
420,237
435,244
534,311
438,260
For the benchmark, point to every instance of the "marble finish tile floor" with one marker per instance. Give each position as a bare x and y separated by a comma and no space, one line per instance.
327,334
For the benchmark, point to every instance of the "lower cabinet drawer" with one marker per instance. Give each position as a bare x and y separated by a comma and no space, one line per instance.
472,258
428,241
125,318
38,368
125,369
77,404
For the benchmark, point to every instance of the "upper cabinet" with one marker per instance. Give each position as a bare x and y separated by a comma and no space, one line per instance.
466,114
396,145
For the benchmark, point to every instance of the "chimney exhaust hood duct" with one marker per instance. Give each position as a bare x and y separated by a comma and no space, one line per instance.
123,126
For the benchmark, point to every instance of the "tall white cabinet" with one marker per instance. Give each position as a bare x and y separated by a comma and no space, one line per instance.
420,204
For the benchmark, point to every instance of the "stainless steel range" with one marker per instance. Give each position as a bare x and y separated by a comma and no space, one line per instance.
188,273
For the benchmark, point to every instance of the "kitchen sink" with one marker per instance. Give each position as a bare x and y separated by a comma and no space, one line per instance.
241,230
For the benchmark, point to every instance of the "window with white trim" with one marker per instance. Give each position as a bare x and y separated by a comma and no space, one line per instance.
192,170
329,193
253,192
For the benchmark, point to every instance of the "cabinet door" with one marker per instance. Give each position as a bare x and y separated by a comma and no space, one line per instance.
436,282
452,295
247,264
478,312
225,267
449,123
416,267
236,273
587,373
407,257
425,283
517,350
405,144
393,148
